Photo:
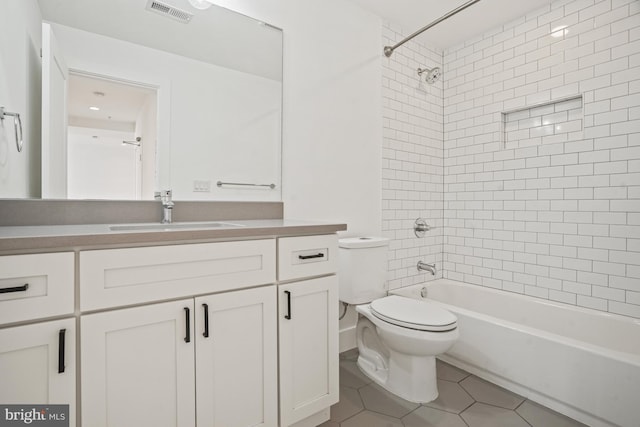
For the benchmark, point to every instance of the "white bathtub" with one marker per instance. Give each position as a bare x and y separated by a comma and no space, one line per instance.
580,362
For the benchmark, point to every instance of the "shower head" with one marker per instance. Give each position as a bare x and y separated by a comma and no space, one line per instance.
432,76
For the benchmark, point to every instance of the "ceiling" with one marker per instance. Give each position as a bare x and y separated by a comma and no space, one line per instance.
119,103
216,35
411,15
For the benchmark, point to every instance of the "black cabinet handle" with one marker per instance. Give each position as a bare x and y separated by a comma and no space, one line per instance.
319,255
288,315
206,320
14,289
61,336
187,318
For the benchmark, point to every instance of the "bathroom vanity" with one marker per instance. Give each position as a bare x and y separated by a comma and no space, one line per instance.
231,325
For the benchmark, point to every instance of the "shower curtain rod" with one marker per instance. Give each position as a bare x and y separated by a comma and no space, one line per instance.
388,50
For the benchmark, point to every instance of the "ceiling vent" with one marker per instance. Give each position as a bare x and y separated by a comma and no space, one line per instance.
169,11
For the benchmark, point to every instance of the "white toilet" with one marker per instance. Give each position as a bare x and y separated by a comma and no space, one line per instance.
398,337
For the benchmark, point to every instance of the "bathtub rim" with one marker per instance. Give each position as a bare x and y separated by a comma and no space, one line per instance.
413,291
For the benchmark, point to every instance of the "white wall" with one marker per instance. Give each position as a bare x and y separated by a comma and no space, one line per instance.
332,134
228,130
555,216
20,82
92,162
332,107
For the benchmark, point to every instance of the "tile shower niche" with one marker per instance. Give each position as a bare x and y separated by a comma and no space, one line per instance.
555,121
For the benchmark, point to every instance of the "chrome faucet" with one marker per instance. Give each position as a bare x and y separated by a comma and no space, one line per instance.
167,205
423,266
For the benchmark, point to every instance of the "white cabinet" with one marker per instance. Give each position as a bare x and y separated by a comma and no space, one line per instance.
154,365
308,328
137,368
178,335
236,359
307,256
36,286
37,364
37,361
119,277
308,350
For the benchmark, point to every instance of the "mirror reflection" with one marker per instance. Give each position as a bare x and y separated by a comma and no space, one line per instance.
107,121
195,94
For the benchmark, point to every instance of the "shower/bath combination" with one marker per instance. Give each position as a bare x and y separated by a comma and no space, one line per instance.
433,74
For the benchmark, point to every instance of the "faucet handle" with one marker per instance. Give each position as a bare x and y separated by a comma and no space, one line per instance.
164,196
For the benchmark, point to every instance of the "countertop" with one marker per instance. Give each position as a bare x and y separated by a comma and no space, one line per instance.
59,237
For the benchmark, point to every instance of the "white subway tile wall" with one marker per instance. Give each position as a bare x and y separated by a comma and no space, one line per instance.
551,213
412,160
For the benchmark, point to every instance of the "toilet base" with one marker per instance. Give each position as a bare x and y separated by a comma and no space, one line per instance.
409,377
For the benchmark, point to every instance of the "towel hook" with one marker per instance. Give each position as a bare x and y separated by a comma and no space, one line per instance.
17,124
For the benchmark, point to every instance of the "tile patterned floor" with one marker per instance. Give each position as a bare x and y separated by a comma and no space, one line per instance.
465,401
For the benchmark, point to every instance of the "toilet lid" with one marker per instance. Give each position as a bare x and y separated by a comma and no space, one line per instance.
414,314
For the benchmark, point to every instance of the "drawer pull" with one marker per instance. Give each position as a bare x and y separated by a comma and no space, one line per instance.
61,336
206,320
288,315
14,289
320,255
187,318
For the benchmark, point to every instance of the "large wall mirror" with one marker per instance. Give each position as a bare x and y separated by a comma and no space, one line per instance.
144,95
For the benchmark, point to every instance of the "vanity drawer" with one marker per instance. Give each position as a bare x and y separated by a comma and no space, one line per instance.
36,286
118,277
307,256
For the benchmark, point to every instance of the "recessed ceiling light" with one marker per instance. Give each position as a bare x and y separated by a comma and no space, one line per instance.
94,108
200,4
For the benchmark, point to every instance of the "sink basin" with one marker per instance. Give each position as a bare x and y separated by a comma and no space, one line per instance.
174,226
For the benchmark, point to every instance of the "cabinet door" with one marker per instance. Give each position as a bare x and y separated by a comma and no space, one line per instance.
236,359
308,324
138,367
37,365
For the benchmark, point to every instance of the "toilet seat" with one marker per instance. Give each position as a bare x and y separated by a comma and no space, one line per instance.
413,314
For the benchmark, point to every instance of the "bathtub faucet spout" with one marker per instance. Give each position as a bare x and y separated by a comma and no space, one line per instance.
423,266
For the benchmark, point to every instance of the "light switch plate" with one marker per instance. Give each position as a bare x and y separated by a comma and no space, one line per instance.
202,186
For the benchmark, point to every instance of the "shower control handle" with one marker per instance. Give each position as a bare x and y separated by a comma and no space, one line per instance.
420,227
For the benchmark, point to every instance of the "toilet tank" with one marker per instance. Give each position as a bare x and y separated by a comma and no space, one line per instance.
362,269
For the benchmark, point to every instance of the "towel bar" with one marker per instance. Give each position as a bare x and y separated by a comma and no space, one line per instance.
220,184
17,124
